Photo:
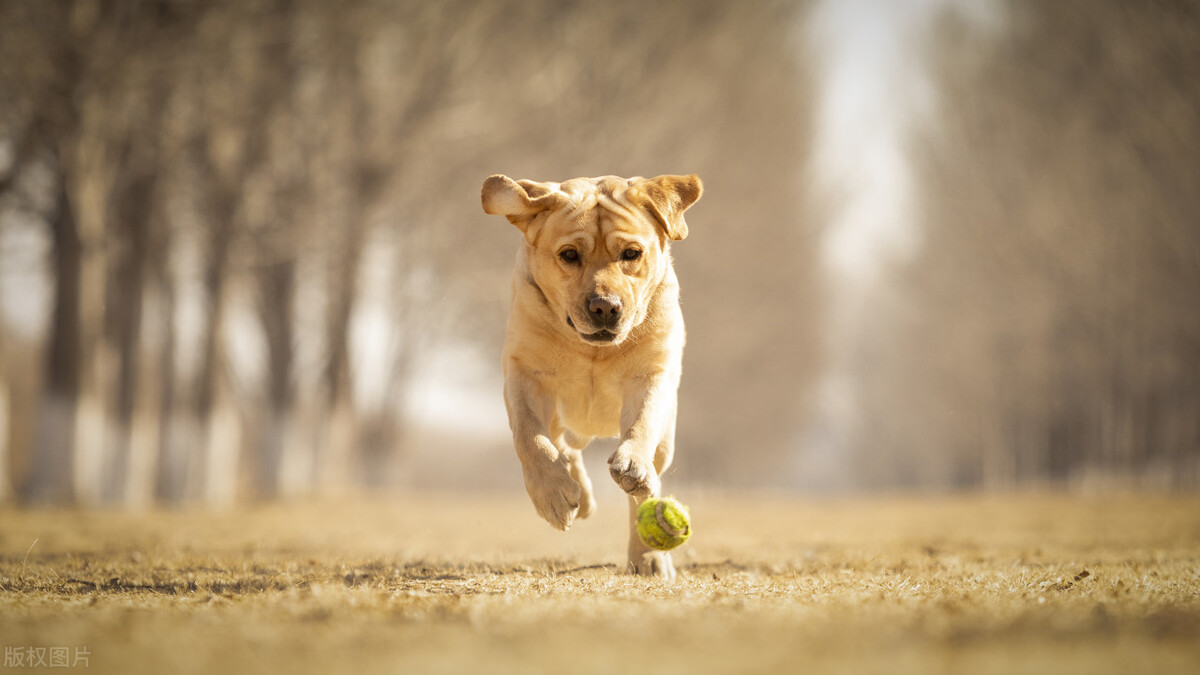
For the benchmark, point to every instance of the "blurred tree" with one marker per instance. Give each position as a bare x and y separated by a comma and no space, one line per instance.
47,43
1048,328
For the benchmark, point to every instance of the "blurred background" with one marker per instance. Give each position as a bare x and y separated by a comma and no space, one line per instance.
944,244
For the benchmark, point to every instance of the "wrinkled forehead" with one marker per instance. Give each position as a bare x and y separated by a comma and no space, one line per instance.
604,203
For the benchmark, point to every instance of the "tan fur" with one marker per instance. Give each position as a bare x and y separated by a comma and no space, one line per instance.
595,341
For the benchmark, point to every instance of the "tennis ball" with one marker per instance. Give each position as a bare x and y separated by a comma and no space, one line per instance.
663,523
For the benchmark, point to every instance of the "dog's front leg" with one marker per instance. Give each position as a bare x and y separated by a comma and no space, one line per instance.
646,449
547,470
647,436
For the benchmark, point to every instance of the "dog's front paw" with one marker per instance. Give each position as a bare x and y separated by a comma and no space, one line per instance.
653,564
555,494
635,475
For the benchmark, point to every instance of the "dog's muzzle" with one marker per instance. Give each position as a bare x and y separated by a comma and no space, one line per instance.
604,314
600,337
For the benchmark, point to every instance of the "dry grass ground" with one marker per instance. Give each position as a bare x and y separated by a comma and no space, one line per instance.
444,584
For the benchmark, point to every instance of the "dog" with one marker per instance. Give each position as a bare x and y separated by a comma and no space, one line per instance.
594,342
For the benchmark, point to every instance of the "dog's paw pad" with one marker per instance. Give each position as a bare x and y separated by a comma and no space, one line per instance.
635,475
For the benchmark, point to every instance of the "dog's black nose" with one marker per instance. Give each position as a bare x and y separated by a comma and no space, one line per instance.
605,309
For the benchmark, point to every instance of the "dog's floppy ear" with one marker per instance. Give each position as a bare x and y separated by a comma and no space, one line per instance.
667,197
519,201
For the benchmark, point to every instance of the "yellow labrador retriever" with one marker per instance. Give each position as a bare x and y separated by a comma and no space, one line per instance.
595,337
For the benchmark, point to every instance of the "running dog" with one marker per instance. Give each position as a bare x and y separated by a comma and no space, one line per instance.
594,343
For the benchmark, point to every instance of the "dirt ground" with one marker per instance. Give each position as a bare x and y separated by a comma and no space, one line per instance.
443,583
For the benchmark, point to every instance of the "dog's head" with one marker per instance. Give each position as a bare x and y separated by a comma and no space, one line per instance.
597,247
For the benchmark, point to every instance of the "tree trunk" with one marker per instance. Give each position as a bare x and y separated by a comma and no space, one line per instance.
277,286
340,436
6,487
51,478
213,468
126,305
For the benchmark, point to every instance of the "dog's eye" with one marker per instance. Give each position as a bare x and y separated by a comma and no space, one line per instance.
569,256
631,254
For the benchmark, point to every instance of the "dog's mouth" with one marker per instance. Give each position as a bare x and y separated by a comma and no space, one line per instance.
600,337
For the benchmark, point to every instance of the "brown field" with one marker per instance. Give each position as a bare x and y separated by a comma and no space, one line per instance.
445,584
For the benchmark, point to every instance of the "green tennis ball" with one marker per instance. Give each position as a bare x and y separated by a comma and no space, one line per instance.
663,523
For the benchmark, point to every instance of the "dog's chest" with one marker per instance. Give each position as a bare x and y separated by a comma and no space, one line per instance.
589,403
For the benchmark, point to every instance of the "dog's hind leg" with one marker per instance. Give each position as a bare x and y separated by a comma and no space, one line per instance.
644,560
573,450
